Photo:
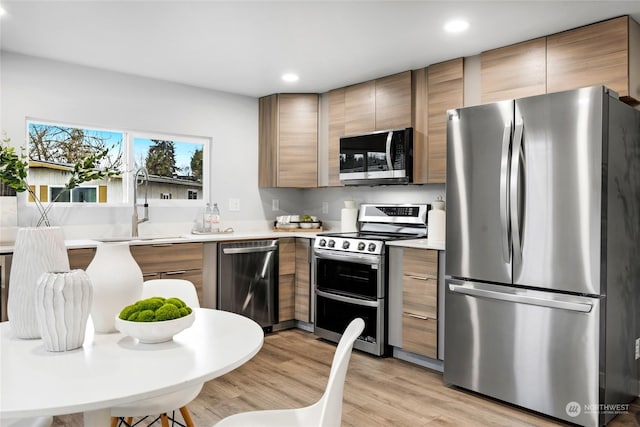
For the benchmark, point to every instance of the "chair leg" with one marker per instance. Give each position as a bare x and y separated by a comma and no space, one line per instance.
114,421
129,421
186,416
164,420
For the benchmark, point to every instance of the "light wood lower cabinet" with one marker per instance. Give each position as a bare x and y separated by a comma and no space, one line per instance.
286,279
420,302
303,280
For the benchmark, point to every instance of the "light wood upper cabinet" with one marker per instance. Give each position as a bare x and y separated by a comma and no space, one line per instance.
336,99
420,121
514,71
360,108
393,101
445,90
288,141
606,53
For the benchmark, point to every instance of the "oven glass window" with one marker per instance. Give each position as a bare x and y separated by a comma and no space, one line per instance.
335,316
347,278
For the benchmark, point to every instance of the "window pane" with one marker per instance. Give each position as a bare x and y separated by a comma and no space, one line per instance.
54,149
58,194
83,195
173,166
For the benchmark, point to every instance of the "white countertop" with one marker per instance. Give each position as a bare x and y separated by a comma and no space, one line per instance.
7,248
417,243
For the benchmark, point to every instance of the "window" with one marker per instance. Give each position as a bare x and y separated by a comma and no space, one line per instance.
177,165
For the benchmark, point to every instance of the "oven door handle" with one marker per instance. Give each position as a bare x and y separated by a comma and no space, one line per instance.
351,257
348,300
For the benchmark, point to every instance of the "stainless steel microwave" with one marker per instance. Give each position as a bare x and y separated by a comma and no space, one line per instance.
384,157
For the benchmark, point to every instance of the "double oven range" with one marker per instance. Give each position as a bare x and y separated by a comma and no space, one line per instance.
351,272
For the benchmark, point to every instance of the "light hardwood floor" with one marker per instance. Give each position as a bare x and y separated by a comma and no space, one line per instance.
291,370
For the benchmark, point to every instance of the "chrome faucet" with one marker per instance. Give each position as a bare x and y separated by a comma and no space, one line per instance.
140,177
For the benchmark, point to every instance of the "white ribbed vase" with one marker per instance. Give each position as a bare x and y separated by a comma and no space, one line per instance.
62,305
37,250
117,282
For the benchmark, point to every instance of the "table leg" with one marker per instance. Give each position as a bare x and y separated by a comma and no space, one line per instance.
97,418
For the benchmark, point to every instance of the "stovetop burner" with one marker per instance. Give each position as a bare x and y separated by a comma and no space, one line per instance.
378,224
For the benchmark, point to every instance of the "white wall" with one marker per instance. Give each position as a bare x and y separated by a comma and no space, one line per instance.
51,90
40,88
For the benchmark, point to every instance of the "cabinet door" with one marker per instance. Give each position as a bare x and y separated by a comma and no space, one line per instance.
420,123
393,101
445,91
420,335
360,108
268,141
298,140
596,54
286,279
303,282
336,130
514,71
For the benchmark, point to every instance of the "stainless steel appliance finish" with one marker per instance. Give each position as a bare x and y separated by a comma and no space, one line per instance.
543,200
350,272
384,157
248,280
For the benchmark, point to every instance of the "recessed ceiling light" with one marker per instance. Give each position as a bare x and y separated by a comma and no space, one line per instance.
2,11
456,26
290,77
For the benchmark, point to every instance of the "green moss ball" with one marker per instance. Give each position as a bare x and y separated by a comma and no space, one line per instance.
175,301
167,312
155,309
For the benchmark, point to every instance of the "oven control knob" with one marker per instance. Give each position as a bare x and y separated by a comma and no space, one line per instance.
345,245
332,243
323,243
372,247
361,246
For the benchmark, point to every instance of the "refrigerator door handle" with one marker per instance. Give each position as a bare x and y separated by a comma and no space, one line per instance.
504,193
514,188
521,299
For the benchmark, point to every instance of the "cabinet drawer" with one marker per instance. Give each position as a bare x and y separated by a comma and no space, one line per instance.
170,257
80,258
420,262
420,336
286,297
420,296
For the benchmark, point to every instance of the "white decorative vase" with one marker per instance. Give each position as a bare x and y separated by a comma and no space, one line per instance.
117,282
349,217
36,250
62,305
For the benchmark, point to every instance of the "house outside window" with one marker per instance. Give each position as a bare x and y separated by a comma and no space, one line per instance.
192,194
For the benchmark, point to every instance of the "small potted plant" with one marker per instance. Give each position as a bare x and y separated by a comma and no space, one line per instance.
38,250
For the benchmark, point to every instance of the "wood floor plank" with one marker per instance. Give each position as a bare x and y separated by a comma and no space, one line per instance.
292,368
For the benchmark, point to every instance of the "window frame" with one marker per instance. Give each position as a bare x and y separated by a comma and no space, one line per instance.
128,137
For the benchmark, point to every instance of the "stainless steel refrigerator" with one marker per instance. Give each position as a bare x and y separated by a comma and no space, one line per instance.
542,270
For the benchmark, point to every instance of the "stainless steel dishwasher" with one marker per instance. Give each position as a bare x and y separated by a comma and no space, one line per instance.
248,280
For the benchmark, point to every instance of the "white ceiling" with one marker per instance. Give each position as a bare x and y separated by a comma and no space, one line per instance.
244,47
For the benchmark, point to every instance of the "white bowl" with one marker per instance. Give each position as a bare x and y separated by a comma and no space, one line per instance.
306,225
154,332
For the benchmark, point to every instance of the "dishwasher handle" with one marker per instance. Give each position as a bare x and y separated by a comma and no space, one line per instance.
249,250
522,299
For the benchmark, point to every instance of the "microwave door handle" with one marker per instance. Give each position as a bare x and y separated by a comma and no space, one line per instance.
388,150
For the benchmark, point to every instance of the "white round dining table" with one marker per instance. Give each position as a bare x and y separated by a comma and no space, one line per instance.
112,369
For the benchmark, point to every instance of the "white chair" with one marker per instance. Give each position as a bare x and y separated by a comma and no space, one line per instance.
326,412
184,290
26,422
